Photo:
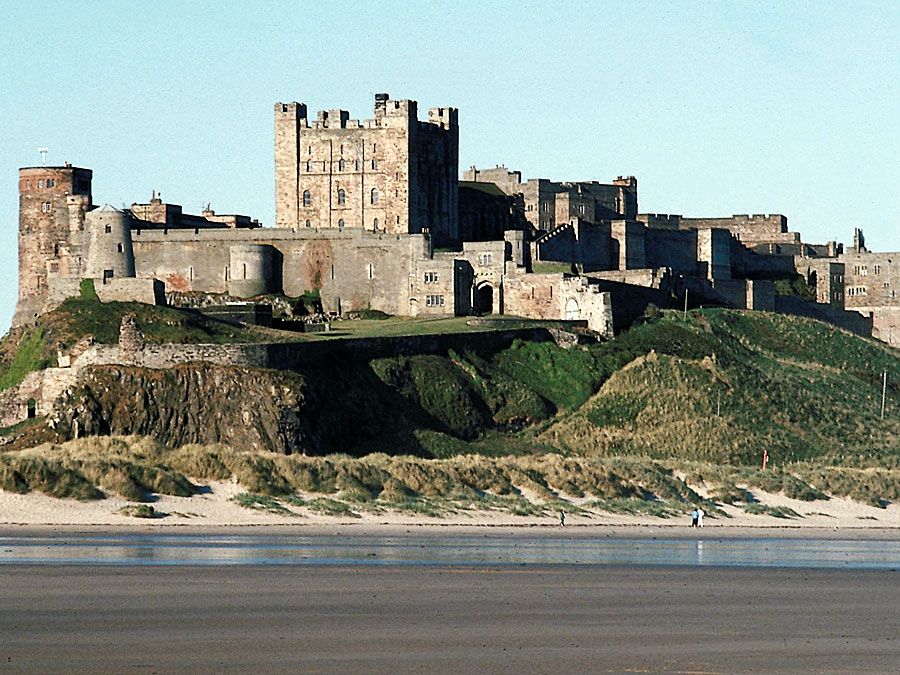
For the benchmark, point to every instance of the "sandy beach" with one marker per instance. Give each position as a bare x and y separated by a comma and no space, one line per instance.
216,508
438,619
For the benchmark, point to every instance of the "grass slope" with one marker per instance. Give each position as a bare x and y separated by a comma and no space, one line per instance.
730,384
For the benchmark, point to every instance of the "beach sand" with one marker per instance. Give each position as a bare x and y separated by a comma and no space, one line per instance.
216,509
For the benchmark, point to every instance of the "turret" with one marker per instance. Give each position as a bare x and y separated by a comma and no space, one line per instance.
110,254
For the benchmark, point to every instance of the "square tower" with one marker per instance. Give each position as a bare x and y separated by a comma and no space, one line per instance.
392,174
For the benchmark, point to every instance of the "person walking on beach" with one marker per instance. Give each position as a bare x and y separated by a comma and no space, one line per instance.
562,518
695,516
700,515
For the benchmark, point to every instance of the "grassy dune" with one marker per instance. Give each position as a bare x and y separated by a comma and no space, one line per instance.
135,468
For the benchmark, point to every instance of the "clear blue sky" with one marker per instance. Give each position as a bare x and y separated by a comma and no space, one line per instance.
717,108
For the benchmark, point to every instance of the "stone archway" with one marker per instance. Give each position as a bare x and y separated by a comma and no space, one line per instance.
484,299
573,312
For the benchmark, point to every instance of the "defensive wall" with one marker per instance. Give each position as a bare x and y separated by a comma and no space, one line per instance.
757,228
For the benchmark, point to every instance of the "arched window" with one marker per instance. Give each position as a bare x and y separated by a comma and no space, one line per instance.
341,223
375,224
341,165
308,224
308,166
342,197
307,198
374,195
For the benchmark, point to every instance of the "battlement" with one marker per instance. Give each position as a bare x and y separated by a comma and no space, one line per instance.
385,109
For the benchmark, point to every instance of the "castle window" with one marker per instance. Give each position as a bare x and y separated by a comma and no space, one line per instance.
308,149
308,223
485,259
341,164
375,224
370,271
434,300
308,166
245,270
45,207
191,273
41,183
341,223
120,248
342,198
431,277
877,269
374,195
374,147
107,229
374,164
307,198
51,182
226,273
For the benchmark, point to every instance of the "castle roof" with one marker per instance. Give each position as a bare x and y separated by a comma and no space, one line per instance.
108,208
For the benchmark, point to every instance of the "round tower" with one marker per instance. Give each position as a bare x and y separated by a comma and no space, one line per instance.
110,254
46,196
251,270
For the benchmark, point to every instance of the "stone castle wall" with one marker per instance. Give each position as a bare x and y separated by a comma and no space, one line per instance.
748,229
350,268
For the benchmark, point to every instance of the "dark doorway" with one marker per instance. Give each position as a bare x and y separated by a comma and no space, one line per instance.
32,408
484,299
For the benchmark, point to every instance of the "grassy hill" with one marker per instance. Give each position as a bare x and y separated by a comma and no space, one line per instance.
667,406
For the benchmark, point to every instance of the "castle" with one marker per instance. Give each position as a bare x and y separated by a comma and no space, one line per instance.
372,214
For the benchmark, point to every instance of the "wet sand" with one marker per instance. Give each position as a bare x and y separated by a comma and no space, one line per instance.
460,619
668,530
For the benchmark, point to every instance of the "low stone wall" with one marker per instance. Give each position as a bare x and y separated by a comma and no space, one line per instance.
43,387
293,355
148,291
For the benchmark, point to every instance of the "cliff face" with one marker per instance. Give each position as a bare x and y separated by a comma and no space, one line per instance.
245,408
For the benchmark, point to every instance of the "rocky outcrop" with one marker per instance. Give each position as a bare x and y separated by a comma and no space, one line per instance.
196,403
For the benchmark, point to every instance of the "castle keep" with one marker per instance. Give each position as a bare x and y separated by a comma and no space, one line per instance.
371,214
393,174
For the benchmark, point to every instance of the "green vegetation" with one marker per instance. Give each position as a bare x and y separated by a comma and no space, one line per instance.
775,511
725,385
339,485
261,503
30,355
140,511
551,268
637,424
795,286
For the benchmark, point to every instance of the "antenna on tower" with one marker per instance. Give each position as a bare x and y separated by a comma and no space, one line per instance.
43,152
